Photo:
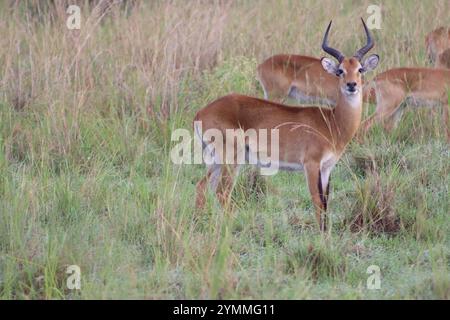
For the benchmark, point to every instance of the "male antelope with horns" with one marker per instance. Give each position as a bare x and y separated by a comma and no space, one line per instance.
310,138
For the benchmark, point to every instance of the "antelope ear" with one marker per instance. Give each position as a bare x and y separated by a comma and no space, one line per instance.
371,62
329,65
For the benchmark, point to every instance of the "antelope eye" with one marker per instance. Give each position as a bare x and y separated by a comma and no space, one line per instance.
339,72
361,70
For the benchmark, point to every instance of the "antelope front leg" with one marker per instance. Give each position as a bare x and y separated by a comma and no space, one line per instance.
313,176
390,102
365,126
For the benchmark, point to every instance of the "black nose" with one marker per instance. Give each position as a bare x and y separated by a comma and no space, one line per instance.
351,86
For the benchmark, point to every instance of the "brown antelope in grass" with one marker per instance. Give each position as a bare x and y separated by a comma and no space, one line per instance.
310,138
298,77
443,60
437,43
396,88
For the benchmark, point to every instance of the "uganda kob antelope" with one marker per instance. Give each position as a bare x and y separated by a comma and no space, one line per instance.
395,89
310,138
437,44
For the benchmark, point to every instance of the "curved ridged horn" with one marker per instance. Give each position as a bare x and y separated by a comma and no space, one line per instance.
335,53
361,52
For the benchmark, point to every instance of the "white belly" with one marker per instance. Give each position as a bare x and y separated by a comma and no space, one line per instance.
282,165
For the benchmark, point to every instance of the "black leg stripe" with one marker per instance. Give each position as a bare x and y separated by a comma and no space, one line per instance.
322,196
328,191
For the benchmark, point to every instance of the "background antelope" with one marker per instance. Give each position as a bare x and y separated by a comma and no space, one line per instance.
298,77
443,60
303,79
437,45
396,88
311,138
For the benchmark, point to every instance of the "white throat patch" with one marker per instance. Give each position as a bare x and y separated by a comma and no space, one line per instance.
354,100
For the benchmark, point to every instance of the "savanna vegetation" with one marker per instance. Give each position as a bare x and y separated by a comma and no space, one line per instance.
86,179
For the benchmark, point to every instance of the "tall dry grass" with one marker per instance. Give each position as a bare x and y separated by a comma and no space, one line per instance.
142,52
147,59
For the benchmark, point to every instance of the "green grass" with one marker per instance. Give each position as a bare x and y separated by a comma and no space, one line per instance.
86,178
